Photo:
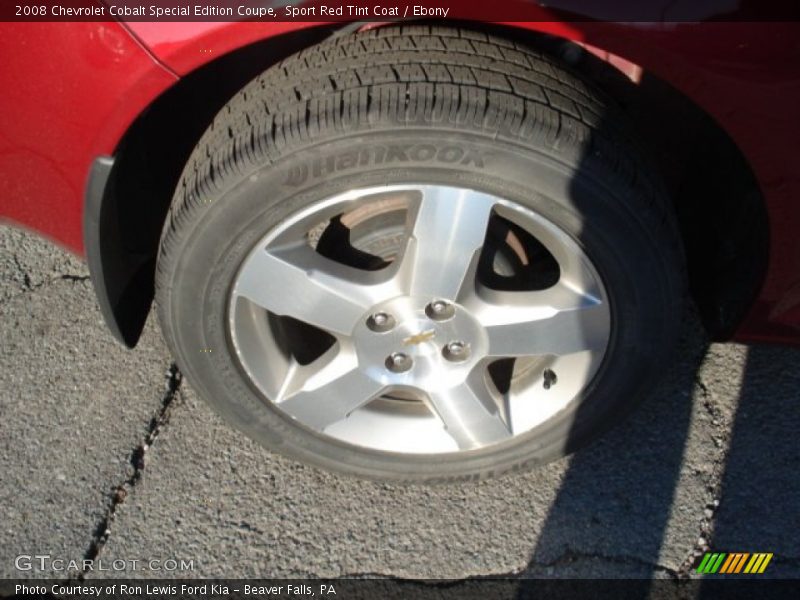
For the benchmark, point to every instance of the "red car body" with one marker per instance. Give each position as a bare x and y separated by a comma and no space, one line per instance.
73,92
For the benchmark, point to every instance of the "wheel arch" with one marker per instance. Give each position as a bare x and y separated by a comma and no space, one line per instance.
723,219
128,195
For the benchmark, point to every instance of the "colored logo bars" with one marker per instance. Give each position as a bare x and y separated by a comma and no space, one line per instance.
734,562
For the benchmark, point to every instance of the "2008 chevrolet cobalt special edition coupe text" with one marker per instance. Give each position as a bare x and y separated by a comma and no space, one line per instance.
421,252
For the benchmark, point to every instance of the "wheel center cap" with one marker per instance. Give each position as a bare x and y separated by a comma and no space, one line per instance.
419,342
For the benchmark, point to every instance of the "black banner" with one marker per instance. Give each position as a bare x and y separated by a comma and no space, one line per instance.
390,589
392,10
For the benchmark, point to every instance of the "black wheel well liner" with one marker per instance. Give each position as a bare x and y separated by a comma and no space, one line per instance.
720,208
128,197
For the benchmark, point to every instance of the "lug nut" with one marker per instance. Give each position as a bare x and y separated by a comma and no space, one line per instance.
399,362
380,322
440,310
456,351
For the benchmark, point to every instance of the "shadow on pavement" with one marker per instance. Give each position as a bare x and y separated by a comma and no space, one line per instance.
617,508
760,490
627,508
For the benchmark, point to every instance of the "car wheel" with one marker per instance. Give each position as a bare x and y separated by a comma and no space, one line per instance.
420,254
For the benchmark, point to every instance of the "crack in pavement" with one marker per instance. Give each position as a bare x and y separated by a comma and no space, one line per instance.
28,286
137,460
722,440
70,277
567,557
26,278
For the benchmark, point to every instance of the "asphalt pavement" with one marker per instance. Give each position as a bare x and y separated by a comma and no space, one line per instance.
108,454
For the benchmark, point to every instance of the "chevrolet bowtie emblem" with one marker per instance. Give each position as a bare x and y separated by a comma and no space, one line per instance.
413,340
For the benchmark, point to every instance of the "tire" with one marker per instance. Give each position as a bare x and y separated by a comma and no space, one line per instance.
424,111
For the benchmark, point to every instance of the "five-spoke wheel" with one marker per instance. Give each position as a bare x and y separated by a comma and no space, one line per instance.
424,330
421,255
